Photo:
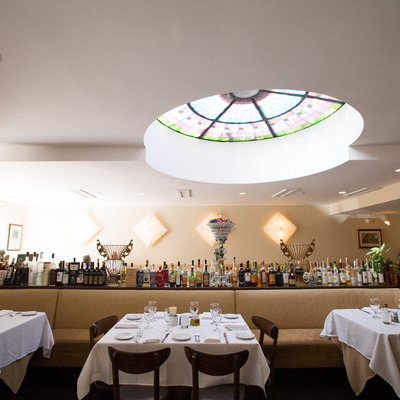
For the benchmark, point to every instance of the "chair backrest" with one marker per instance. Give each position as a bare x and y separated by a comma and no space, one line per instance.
216,365
137,363
267,327
101,326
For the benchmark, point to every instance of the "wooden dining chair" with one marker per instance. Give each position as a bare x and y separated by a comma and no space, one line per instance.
217,365
101,327
138,363
268,327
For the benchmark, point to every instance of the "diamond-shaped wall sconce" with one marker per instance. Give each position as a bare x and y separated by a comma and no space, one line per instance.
204,230
149,229
83,228
279,227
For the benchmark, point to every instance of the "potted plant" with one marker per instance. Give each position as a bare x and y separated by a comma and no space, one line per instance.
383,264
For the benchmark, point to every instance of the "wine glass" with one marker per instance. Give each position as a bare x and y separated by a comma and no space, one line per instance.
153,304
216,316
212,307
167,317
148,315
375,305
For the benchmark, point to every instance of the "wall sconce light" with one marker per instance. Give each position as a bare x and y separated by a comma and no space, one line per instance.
204,230
149,229
279,227
83,228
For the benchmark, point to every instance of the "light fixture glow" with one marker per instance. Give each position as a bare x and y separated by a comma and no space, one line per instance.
242,193
150,229
387,222
342,192
83,228
279,228
204,230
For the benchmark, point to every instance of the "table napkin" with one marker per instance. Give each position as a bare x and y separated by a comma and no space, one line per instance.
126,326
235,327
206,315
152,338
5,312
212,337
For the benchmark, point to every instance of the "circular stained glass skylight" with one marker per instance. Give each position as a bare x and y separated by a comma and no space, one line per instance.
250,115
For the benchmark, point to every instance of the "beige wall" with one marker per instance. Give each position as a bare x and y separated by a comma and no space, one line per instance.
47,229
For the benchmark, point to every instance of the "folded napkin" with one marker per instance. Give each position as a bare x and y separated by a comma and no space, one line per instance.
212,337
206,315
126,326
5,312
152,338
235,327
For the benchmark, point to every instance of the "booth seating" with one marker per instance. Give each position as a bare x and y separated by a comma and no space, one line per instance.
298,313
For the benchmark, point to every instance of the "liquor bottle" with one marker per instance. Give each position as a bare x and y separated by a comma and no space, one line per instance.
140,276
159,277
146,275
264,275
46,273
292,277
234,273
212,270
53,272
206,276
165,275
318,274
348,272
370,279
122,276
285,275
329,274
241,276
228,274
74,272
104,273
199,275
253,275
364,274
342,274
85,268
32,269
60,272
381,277
271,276
335,275
279,276
65,277
311,281
247,275
97,279
324,272
184,276
79,278
91,274
178,277
306,275
192,278
10,273
172,276
153,276
359,274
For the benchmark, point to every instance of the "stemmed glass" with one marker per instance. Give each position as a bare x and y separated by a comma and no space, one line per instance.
212,307
167,317
153,304
216,316
375,305
148,315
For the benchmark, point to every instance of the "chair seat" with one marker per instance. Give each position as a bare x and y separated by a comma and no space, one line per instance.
220,392
140,392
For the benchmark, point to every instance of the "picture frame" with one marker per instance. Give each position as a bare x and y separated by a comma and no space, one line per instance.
368,238
14,237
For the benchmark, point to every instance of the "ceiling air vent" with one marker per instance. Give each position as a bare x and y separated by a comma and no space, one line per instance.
183,193
85,193
287,192
356,192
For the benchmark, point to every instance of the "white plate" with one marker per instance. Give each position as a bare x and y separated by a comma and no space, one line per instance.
124,336
27,313
245,335
231,316
134,317
181,336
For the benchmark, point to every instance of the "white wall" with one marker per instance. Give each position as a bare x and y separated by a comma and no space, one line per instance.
47,229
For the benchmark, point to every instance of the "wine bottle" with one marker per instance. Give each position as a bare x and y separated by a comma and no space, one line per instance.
241,280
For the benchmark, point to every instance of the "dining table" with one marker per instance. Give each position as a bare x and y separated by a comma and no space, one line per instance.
130,334
369,346
21,334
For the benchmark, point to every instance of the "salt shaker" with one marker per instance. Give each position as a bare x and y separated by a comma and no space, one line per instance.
386,315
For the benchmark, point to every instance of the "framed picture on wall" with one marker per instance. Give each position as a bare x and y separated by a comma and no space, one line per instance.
14,237
368,238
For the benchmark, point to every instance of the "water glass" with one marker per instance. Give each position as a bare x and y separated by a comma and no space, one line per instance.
148,315
375,305
185,321
212,307
167,317
153,304
216,314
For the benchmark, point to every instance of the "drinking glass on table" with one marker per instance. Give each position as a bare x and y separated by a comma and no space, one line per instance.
375,305
167,317
212,307
148,315
153,304
216,314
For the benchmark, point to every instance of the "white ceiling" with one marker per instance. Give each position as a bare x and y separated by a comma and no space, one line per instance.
80,81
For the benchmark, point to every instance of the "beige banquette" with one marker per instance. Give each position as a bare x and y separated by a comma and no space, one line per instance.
299,314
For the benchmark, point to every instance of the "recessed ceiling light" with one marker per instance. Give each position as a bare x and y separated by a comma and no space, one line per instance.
342,192
242,193
398,170
140,194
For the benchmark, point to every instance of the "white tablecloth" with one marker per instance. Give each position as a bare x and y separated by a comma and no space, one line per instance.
21,335
176,371
376,341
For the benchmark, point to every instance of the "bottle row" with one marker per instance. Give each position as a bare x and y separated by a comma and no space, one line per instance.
34,271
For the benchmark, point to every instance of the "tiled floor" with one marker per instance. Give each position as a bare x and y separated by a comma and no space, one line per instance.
292,384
